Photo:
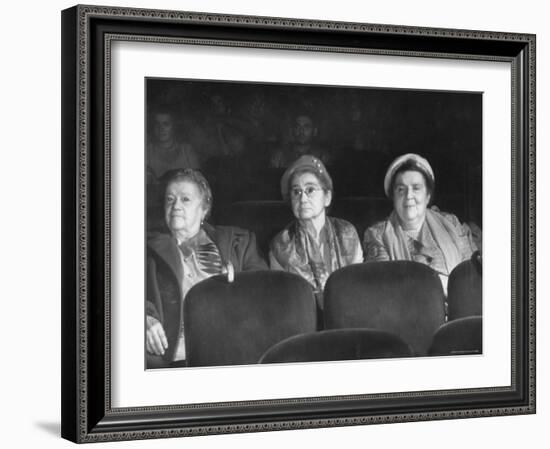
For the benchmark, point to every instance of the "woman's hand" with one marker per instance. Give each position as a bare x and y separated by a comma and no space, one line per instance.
156,342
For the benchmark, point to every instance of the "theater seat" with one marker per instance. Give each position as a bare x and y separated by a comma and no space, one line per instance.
402,297
362,212
464,289
337,344
458,337
264,218
454,203
235,323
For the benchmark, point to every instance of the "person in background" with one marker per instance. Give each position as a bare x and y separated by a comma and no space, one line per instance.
165,151
314,244
190,252
304,133
232,149
414,231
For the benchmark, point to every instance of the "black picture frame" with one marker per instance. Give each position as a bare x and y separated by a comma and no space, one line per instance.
87,414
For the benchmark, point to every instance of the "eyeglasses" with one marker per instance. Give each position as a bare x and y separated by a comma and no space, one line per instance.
309,191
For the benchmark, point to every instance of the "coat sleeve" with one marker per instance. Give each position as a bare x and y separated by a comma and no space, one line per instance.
356,250
358,253
470,235
251,259
373,246
274,263
153,303
476,236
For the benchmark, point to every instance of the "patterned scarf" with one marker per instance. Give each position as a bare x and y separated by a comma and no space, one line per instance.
442,231
297,251
318,254
207,253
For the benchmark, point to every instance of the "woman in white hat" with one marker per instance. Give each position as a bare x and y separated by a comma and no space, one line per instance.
313,245
413,231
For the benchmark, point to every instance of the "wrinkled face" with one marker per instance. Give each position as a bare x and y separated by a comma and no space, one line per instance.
410,197
307,197
183,207
163,127
303,129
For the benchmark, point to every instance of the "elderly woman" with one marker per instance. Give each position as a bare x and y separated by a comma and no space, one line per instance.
413,231
191,252
314,245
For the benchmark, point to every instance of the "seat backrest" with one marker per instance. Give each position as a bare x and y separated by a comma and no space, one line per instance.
235,323
458,337
362,212
464,290
337,344
264,218
402,297
455,203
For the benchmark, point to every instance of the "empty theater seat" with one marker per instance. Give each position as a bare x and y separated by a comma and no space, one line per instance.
235,323
264,218
362,212
458,337
402,297
452,203
337,344
464,289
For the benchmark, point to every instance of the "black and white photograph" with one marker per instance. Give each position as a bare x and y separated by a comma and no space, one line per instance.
309,223
283,223
275,224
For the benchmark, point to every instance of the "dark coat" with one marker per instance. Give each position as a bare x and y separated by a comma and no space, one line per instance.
165,273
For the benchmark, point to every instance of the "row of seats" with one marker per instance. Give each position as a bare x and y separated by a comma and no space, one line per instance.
266,218
236,323
458,337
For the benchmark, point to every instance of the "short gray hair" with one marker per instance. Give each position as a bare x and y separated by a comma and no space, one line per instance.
197,178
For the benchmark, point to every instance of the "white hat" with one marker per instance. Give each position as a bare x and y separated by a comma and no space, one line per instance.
419,161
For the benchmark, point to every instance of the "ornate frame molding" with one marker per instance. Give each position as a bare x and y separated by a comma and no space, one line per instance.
88,419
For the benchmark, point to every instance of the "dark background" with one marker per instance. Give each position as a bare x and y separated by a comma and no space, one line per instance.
236,127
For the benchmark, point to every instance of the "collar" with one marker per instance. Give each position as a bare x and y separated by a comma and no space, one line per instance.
190,245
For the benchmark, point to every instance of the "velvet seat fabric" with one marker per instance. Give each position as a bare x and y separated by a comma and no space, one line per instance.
362,212
458,337
264,218
402,297
232,323
337,344
465,292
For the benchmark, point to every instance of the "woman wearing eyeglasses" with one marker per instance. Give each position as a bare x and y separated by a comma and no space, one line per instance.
313,245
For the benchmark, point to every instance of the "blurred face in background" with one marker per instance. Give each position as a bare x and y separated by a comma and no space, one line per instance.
163,127
219,105
304,131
